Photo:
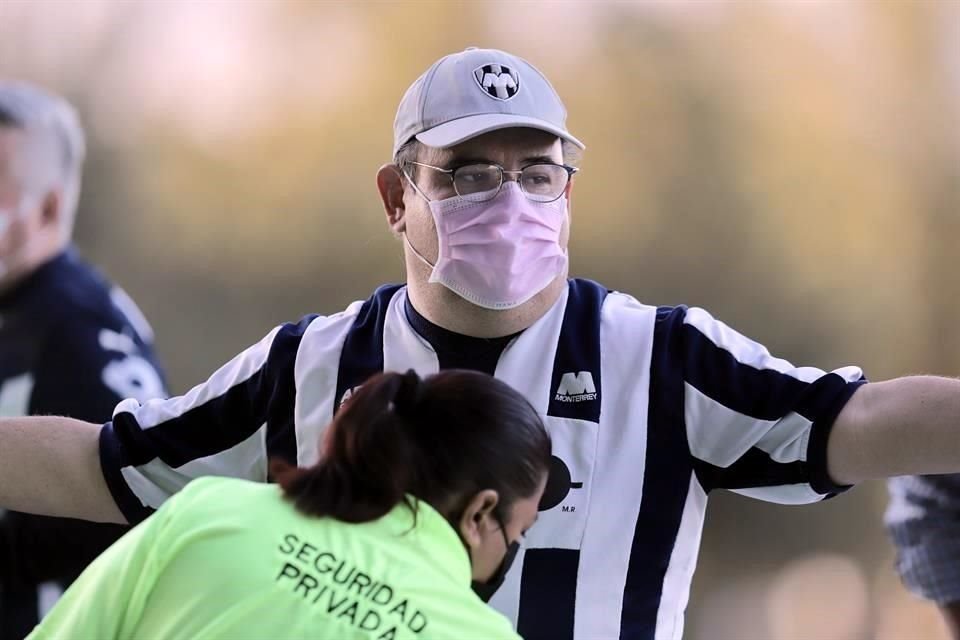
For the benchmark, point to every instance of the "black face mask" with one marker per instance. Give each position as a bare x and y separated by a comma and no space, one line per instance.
486,589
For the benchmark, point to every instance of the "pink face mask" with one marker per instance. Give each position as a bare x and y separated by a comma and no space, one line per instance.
500,253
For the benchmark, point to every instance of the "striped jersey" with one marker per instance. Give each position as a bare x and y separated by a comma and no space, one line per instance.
649,409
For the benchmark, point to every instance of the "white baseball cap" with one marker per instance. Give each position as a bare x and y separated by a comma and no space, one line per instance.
466,94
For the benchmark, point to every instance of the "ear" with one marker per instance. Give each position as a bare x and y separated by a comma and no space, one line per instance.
390,184
477,519
51,209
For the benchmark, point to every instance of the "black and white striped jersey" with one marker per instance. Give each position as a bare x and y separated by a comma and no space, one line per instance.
649,408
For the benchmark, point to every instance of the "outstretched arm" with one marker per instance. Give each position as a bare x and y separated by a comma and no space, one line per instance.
51,466
149,451
898,427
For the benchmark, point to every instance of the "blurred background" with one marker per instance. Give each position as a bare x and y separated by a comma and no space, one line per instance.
792,166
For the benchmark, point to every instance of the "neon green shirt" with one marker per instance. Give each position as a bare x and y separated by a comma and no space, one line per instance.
231,559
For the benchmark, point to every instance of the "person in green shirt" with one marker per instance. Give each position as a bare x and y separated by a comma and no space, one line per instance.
406,524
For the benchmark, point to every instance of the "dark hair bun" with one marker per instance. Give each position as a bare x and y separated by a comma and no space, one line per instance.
394,440
408,395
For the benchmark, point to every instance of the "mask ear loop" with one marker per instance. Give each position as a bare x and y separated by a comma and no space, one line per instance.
486,590
419,255
503,530
406,239
414,185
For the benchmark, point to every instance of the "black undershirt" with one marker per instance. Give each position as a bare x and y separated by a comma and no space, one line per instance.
455,350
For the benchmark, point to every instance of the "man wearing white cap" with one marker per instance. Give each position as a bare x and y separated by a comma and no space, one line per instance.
649,408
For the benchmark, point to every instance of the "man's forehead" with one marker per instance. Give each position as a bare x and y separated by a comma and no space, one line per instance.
500,145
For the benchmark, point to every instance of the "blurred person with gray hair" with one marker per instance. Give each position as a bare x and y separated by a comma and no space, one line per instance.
649,408
923,520
70,342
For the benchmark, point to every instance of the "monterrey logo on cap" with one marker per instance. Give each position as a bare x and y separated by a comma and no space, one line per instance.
497,80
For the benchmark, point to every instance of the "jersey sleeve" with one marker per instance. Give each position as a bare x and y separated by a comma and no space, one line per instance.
151,450
109,597
757,424
923,520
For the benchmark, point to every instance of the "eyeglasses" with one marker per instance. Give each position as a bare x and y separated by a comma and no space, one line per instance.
541,182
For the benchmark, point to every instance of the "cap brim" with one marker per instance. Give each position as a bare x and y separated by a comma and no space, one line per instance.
461,129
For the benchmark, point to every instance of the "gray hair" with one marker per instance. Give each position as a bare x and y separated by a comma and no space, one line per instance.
56,145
